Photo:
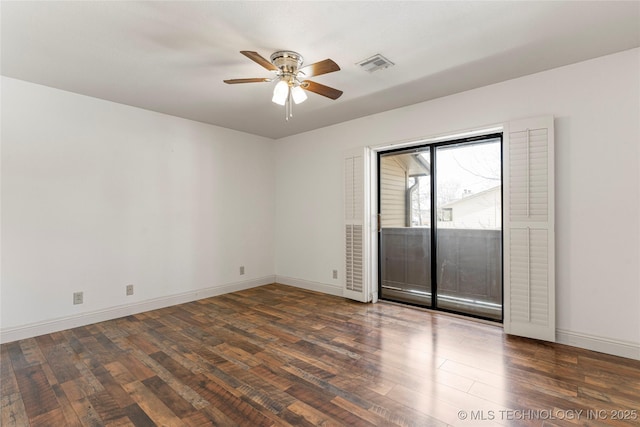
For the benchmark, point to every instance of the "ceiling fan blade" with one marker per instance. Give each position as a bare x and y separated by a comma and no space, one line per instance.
318,68
323,90
256,57
255,80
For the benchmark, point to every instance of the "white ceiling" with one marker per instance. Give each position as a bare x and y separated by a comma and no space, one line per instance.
171,57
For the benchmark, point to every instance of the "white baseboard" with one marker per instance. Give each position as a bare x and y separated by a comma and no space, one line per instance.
311,286
620,348
60,324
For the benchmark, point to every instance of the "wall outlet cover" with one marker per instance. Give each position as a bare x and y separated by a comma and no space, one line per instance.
78,298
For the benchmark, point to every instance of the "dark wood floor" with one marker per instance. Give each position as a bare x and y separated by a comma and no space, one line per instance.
277,355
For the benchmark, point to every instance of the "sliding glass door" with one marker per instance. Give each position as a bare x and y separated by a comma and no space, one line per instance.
469,228
440,226
405,226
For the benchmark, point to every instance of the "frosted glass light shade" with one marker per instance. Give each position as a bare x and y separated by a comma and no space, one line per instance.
280,93
298,95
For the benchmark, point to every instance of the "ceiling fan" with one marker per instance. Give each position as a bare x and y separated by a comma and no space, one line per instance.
290,74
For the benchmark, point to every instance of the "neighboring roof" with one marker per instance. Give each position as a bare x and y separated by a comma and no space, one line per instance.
472,196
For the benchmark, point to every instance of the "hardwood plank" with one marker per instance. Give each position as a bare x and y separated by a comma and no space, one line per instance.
8,383
364,413
178,365
230,404
86,412
201,419
167,377
52,418
12,411
14,353
259,390
271,376
119,373
169,397
216,416
45,342
312,415
37,395
151,405
136,367
120,422
395,412
60,359
236,355
71,418
31,352
142,343
106,406
137,416
321,400
112,387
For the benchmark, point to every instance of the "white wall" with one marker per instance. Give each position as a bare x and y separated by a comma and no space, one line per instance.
97,195
597,109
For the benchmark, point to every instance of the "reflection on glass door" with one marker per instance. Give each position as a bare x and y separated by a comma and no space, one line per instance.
455,265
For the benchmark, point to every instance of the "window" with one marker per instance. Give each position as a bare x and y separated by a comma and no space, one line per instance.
445,214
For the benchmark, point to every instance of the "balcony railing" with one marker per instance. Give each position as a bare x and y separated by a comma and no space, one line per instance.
469,268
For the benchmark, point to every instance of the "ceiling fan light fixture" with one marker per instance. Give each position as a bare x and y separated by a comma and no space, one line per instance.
290,88
298,95
280,93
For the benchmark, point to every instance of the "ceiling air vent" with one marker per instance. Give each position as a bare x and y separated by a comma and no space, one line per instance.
375,63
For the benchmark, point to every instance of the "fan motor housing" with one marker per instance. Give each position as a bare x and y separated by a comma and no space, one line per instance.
287,61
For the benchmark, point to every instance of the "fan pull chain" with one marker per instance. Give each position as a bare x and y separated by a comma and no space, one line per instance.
288,111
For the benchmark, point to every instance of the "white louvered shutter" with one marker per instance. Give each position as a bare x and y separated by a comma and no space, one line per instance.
355,237
529,268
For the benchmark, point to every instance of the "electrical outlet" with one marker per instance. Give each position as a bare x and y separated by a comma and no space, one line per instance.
78,298
129,290
335,274
241,270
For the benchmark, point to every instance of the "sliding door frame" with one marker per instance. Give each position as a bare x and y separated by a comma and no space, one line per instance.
419,147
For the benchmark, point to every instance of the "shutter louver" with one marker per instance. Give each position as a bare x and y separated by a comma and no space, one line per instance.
528,229
528,172
529,276
354,268
355,247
